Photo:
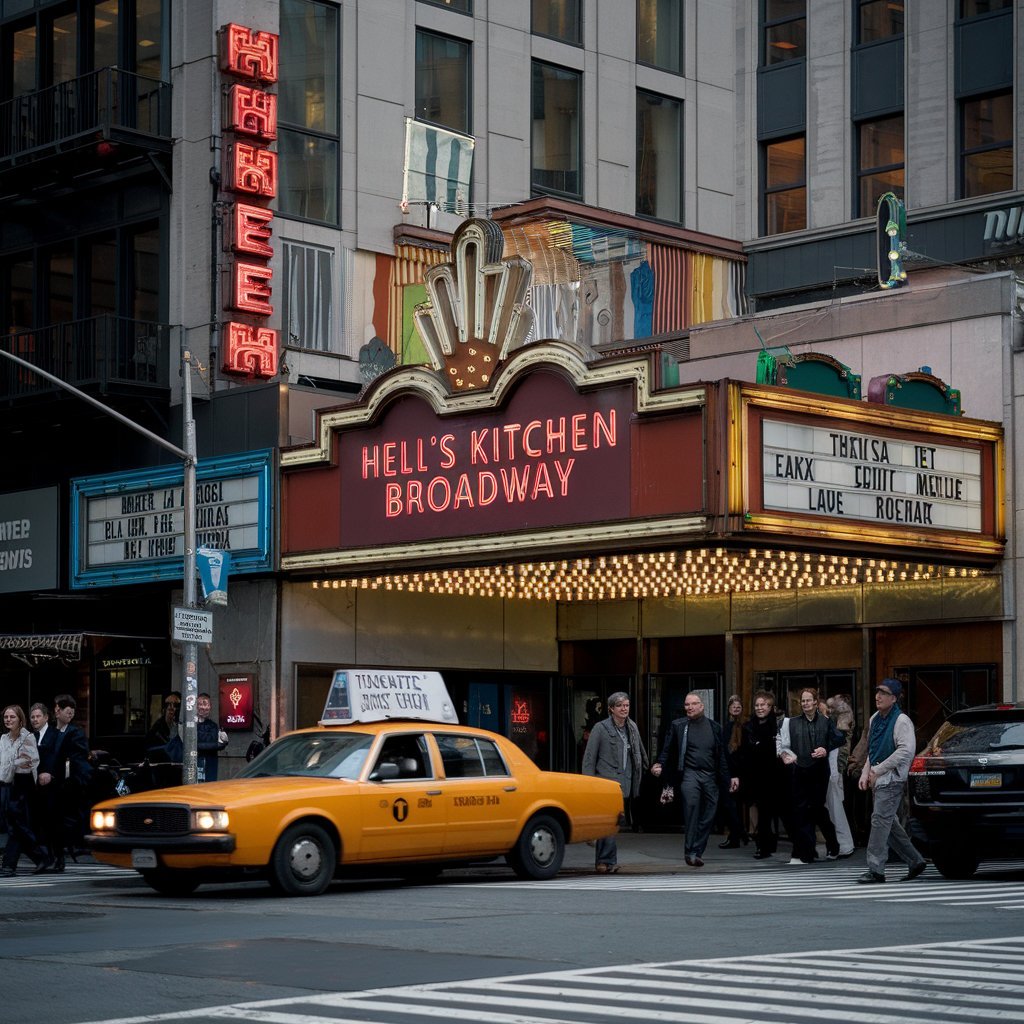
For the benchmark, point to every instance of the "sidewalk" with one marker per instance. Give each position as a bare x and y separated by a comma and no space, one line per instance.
661,853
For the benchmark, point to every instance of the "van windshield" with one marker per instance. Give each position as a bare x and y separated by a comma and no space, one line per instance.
312,754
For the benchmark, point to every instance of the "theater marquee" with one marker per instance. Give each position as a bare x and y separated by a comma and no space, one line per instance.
853,470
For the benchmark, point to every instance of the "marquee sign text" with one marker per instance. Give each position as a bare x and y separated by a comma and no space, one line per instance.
834,471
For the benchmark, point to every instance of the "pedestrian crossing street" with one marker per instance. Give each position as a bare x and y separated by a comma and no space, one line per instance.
961,982
822,881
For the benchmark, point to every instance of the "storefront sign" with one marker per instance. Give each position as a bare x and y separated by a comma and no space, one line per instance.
28,540
1004,227
236,701
250,176
836,471
130,527
192,625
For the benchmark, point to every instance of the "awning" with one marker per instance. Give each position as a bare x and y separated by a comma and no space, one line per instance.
33,648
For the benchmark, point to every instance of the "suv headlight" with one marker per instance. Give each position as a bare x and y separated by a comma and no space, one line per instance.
104,821
209,821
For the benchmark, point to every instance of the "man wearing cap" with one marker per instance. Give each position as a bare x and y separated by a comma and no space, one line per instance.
890,751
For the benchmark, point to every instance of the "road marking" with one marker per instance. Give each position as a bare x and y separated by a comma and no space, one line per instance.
71,873
969,981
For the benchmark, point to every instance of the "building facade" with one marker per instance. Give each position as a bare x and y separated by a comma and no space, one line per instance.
686,188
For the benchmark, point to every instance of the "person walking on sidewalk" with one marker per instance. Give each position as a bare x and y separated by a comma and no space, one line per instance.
761,773
614,751
804,745
19,761
890,751
695,751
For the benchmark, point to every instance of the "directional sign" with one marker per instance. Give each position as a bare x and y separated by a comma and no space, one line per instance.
193,626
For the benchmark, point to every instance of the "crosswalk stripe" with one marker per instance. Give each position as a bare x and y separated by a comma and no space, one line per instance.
970,980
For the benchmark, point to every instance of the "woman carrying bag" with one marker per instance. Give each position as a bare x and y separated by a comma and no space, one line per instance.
19,761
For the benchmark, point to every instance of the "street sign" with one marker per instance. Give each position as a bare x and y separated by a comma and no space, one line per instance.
193,626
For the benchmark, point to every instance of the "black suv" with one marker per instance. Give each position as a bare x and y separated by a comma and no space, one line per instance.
967,789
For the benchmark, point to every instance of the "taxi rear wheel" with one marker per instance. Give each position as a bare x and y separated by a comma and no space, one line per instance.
539,850
171,881
303,861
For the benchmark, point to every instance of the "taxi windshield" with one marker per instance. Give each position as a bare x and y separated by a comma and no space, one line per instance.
318,755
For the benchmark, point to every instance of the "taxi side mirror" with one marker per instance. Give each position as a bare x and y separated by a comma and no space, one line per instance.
384,771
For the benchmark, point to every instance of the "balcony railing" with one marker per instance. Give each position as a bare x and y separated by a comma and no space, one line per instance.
105,104
103,353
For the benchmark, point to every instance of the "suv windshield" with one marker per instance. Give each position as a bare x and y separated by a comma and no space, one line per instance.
315,754
978,736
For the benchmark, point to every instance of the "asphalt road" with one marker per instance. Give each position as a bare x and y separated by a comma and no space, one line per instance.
96,945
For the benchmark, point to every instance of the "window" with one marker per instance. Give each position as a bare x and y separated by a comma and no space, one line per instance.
308,314
555,136
879,19
462,6
659,157
469,757
972,8
986,151
308,112
659,34
409,754
442,81
785,30
558,19
785,186
880,162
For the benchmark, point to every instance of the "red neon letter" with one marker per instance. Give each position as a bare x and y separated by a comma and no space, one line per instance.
251,230
250,169
252,112
248,54
250,350
250,289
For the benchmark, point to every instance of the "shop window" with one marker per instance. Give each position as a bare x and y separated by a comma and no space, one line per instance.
931,693
558,19
659,34
659,157
785,31
880,162
879,19
308,314
312,684
308,91
785,189
555,135
986,145
442,81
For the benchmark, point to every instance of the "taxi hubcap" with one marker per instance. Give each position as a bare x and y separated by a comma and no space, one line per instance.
542,846
305,858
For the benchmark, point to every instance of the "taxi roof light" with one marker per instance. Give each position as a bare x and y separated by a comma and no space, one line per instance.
376,695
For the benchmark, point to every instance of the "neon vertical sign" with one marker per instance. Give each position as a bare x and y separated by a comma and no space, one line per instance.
249,347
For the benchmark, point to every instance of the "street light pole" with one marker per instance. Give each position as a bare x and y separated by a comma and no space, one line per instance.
190,691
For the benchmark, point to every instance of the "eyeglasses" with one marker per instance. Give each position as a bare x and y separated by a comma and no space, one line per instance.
888,693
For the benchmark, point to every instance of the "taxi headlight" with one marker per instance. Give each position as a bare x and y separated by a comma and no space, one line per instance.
209,821
103,821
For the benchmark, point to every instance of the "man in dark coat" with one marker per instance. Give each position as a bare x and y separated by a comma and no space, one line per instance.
694,751
72,767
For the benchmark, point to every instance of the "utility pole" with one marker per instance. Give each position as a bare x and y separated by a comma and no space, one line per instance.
190,688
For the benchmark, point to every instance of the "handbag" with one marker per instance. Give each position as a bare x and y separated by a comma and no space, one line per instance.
668,794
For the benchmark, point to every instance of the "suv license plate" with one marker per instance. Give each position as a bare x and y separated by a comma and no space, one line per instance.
147,858
986,781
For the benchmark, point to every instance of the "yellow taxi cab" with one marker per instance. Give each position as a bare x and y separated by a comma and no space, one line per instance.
389,778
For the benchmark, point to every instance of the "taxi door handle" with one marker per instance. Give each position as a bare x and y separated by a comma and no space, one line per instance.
433,792
511,789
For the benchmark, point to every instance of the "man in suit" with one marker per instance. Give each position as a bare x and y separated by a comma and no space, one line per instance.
71,761
695,751
46,806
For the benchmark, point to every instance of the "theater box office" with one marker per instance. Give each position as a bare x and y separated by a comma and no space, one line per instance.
561,529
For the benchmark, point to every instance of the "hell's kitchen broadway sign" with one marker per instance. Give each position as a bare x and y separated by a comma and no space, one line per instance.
498,446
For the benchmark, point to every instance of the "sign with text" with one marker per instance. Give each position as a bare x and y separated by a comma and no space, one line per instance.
836,471
374,695
28,540
130,527
192,626
236,701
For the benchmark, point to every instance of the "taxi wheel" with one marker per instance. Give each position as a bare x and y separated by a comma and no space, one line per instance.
171,882
303,861
539,850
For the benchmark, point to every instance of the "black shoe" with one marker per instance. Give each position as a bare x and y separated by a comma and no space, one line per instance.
871,877
58,866
729,844
916,870
45,865
761,856
697,862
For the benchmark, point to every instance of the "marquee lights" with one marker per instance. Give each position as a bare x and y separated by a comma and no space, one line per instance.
657,574
250,174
